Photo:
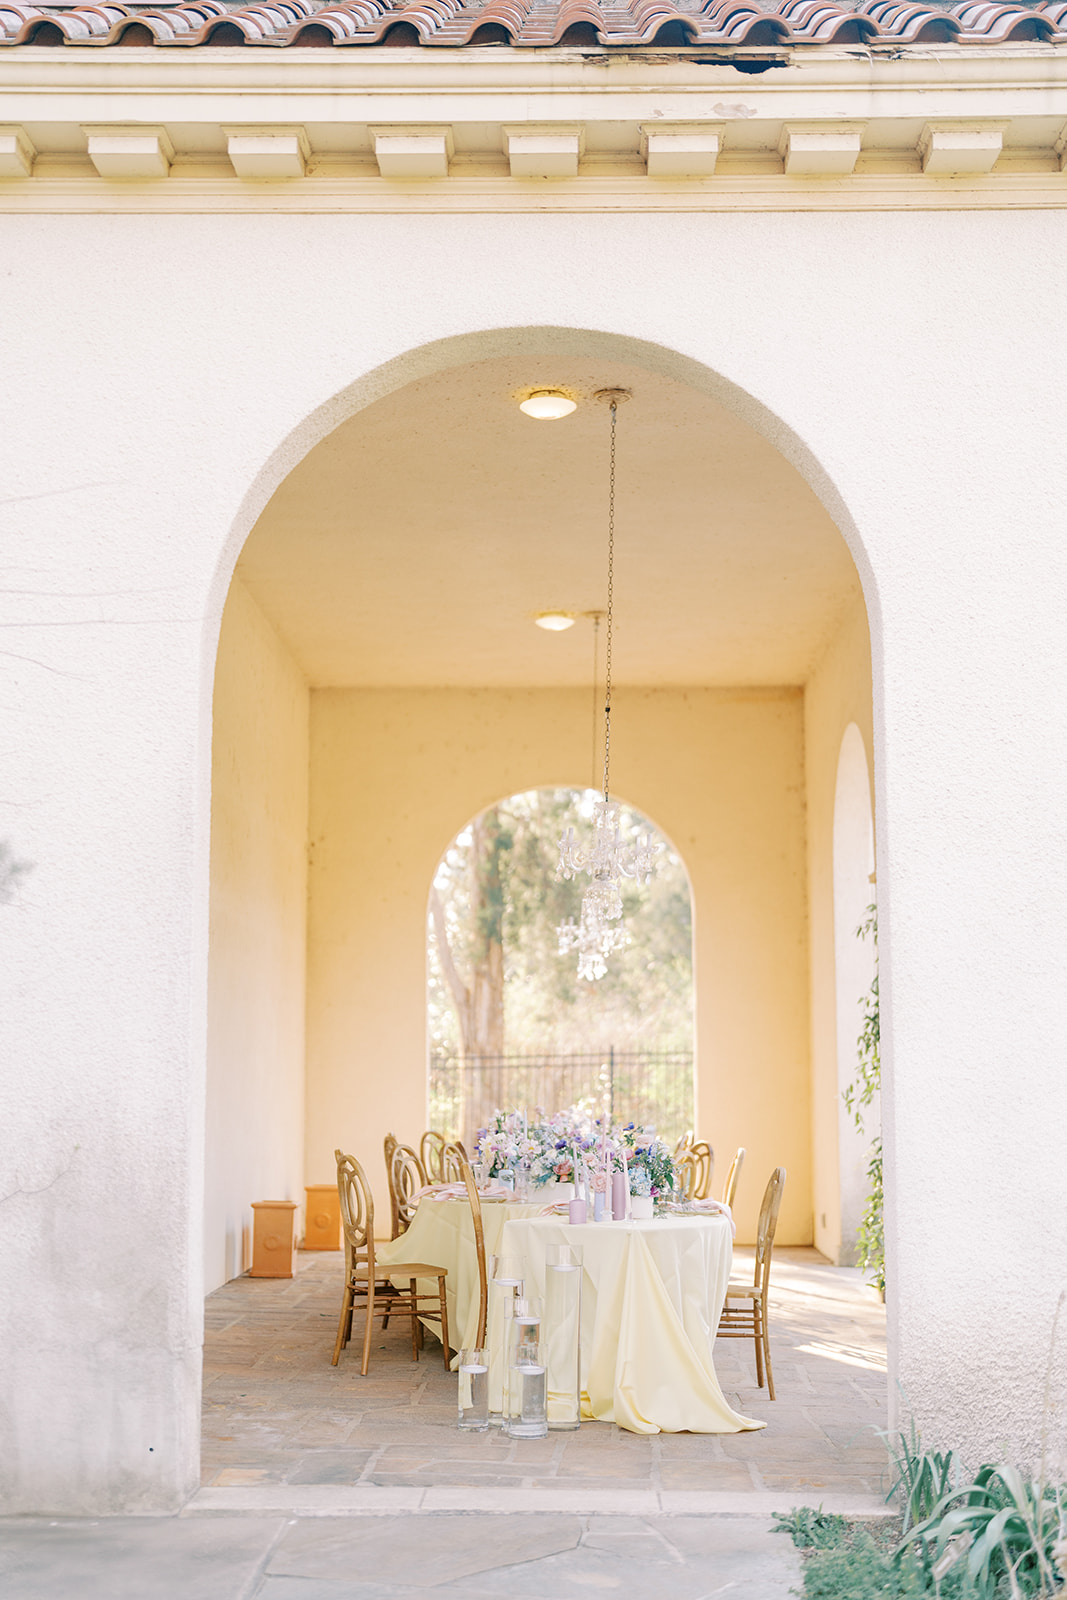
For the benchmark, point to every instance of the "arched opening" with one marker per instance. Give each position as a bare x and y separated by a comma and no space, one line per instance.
386,595
379,682
512,1020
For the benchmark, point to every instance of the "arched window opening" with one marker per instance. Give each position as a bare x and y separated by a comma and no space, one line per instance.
510,1023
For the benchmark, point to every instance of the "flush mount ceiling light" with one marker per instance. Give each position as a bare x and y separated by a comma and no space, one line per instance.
554,621
548,405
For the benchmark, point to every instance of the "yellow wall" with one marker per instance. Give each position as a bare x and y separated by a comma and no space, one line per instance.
255,1082
396,773
837,693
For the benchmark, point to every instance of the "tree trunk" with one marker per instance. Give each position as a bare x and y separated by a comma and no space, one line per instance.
479,1001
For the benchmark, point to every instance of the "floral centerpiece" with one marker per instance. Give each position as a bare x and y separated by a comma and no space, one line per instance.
544,1145
649,1162
571,1146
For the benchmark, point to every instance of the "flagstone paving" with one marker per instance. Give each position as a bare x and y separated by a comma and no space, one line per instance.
276,1412
395,1558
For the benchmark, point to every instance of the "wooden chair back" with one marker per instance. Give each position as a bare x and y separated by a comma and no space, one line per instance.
704,1156
357,1212
684,1143
732,1176
406,1175
452,1158
768,1222
431,1151
686,1174
479,1243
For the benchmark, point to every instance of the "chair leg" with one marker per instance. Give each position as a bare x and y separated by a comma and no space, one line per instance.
767,1354
368,1328
757,1336
444,1322
414,1320
345,1325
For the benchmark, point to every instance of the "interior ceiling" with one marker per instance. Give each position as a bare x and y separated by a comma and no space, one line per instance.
415,544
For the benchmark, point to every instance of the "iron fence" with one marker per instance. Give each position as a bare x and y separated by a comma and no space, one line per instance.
654,1088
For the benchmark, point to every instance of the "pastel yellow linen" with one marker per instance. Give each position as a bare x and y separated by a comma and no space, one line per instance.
652,1293
442,1235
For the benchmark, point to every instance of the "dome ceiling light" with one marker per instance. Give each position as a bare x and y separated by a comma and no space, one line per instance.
554,621
548,405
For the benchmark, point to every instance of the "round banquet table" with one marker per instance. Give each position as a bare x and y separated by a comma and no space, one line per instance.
652,1294
442,1234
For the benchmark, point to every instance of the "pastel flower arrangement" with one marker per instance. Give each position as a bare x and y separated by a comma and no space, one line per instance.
558,1149
545,1144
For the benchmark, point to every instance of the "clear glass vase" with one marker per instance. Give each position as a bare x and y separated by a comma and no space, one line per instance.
562,1336
474,1390
524,1365
505,1282
527,1416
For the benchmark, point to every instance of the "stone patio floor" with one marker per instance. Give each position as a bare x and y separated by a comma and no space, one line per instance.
277,1414
322,1485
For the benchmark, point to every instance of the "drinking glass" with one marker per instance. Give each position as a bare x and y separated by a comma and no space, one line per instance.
506,1179
474,1390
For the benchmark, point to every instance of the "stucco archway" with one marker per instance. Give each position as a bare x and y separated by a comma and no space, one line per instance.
348,582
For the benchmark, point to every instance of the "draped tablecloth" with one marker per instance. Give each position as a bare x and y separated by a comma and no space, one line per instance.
442,1235
652,1293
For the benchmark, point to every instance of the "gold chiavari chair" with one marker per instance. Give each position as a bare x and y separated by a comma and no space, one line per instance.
686,1174
431,1150
479,1243
452,1158
406,1176
748,1318
732,1176
684,1143
363,1280
704,1156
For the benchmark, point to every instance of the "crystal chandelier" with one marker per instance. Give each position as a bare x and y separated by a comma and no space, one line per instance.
608,860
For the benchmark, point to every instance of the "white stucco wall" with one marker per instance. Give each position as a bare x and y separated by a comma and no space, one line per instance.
397,773
255,1046
893,356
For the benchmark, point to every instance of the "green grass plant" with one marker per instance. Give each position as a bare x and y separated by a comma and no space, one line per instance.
998,1535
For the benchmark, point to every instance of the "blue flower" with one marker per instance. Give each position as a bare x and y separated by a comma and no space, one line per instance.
561,1144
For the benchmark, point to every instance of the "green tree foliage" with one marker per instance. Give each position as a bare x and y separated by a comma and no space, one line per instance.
496,882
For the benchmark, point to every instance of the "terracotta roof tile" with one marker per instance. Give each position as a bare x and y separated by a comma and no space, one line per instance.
536,23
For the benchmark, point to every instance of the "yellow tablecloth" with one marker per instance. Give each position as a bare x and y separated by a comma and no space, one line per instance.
652,1293
442,1235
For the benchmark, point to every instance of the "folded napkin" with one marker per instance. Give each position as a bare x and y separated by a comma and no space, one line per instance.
561,1208
458,1191
708,1207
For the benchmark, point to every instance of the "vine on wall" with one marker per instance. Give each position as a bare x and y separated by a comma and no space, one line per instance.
858,1098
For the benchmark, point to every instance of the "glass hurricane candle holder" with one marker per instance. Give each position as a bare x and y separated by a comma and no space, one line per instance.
505,1282
527,1417
562,1336
474,1390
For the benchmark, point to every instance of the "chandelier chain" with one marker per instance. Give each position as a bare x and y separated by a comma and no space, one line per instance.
611,598
596,697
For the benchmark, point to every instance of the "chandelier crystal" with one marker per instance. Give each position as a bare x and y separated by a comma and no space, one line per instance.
608,860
